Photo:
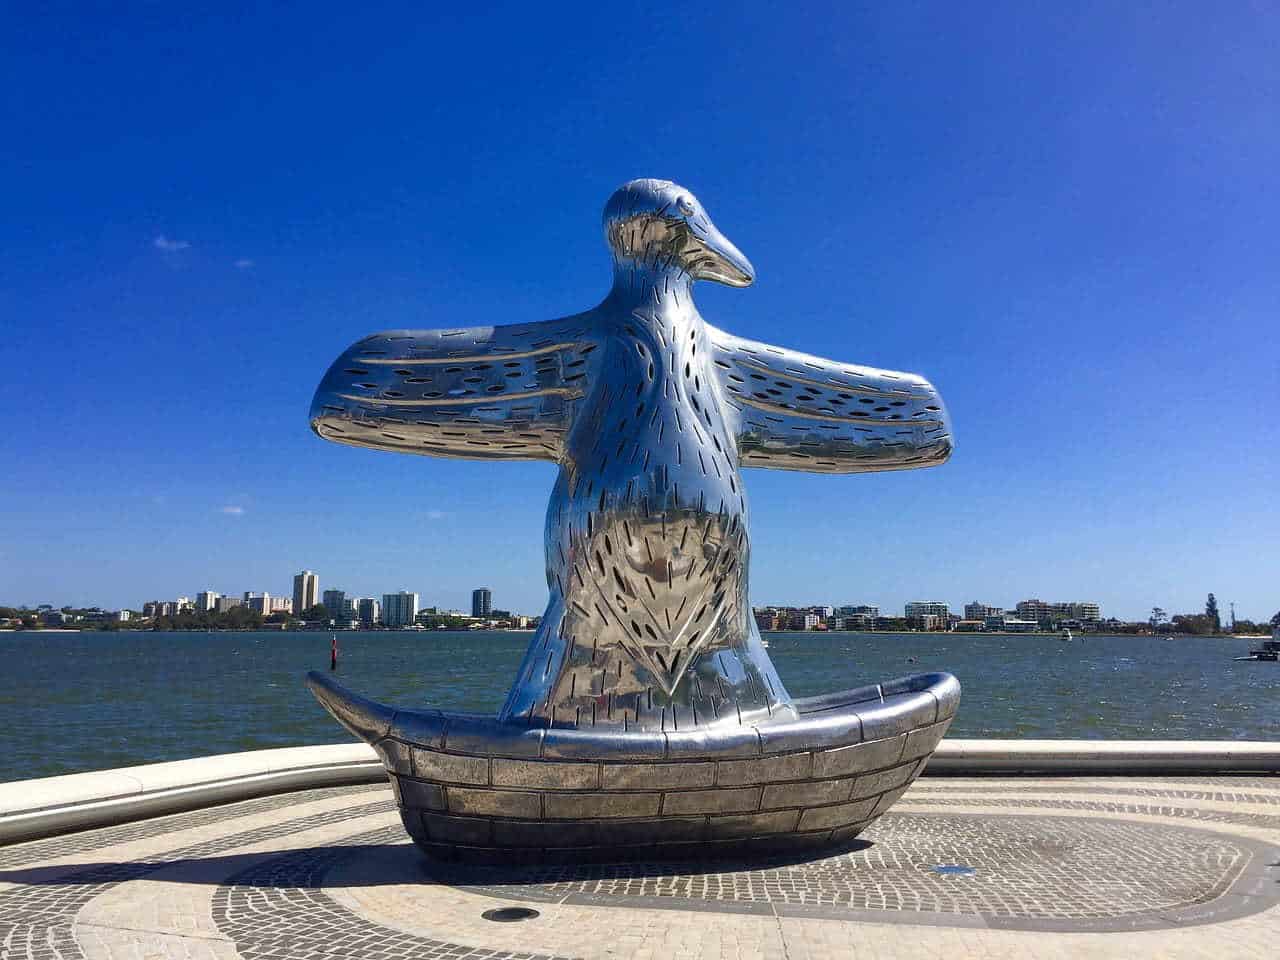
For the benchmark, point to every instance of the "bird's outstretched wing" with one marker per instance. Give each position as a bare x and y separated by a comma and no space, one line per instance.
479,393
799,412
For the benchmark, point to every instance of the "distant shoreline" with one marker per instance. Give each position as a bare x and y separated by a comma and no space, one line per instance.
1024,633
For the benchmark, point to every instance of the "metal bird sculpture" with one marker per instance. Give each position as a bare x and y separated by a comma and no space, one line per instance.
651,413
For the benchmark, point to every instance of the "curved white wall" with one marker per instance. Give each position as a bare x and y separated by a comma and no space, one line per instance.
36,808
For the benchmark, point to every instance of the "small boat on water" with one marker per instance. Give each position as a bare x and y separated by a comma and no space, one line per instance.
1269,651
1066,635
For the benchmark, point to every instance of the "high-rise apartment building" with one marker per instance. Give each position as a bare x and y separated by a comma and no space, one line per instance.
368,611
399,609
206,600
335,601
223,604
306,591
258,602
481,602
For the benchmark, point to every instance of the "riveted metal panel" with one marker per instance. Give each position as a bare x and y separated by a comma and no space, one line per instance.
449,767
650,776
792,766
494,803
837,815
546,775
872,755
418,793
733,800
752,824
591,806
806,794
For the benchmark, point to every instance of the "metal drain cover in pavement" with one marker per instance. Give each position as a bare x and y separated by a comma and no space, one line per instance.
509,914
954,870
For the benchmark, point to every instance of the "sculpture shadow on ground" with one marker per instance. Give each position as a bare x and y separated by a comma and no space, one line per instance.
389,864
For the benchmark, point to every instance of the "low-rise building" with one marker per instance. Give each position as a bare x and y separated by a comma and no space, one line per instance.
981,611
927,621
1036,610
1015,625
858,610
926,608
766,619
854,621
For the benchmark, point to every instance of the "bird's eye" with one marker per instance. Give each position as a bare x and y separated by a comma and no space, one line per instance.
686,207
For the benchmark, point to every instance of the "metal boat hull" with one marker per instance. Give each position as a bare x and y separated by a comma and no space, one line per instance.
476,789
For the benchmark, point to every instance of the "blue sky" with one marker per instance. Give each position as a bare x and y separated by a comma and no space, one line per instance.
1066,216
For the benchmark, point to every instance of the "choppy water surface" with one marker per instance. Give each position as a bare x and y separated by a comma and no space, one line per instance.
87,701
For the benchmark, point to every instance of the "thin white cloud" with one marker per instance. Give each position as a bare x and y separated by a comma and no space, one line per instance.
232,510
244,263
168,245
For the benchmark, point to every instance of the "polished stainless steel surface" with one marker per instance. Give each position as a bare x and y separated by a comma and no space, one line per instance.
651,413
477,788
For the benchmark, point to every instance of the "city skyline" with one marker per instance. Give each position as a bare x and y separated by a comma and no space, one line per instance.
1063,218
482,597
391,608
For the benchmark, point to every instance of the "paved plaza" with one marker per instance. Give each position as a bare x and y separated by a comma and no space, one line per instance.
1063,867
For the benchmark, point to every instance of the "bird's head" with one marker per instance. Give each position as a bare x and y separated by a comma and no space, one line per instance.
658,226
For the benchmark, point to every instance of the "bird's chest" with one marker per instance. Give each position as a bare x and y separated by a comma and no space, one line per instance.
646,535
654,437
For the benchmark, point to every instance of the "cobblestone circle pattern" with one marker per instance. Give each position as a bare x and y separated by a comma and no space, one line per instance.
36,920
1026,867
1069,862
37,851
278,911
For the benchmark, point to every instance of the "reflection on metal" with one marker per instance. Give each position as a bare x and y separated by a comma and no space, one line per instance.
650,413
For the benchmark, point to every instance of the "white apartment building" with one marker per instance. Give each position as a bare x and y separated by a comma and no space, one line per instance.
399,609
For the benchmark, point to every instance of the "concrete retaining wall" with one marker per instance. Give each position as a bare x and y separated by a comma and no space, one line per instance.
35,808
1089,758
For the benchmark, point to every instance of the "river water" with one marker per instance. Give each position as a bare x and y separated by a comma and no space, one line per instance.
86,701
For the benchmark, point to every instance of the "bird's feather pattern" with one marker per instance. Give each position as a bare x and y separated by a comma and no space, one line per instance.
795,411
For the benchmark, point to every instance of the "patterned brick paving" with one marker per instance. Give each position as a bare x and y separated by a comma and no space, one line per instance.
1266,820
38,851
1077,861
36,920
925,788
277,911
1026,867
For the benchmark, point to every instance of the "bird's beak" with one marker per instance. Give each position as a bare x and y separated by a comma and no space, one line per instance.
716,258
